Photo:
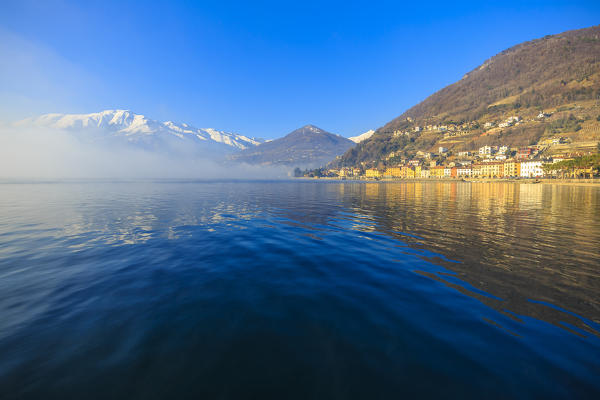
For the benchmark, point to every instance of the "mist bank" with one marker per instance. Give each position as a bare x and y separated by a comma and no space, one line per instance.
34,153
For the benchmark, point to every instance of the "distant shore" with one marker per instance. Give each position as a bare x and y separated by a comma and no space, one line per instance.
572,182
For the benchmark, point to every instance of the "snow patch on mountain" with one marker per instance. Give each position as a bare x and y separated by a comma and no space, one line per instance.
363,136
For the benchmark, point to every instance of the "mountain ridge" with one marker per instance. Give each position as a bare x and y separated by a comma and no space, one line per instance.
135,127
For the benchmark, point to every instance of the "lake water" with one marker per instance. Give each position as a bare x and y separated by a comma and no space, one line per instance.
299,289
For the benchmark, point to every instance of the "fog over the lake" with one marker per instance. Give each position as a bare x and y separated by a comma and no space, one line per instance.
40,153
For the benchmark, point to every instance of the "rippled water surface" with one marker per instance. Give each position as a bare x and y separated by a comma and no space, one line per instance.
299,290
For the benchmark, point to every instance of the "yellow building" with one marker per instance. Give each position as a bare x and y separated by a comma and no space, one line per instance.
492,170
373,173
512,168
476,170
393,172
408,172
437,172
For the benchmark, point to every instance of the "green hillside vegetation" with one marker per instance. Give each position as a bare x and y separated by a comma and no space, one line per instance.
592,163
558,75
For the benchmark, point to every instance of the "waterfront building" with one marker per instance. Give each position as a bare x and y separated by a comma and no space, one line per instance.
512,168
395,172
476,169
492,170
532,169
392,172
437,171
463,171
373,173
408,172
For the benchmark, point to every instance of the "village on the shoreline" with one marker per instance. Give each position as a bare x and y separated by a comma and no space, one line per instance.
489,162
539,160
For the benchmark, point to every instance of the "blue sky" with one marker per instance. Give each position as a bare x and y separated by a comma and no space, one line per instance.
259,68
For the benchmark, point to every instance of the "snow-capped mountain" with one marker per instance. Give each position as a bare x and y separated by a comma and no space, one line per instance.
361,137
138,129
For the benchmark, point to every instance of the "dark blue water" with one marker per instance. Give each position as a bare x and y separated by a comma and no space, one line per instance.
299,290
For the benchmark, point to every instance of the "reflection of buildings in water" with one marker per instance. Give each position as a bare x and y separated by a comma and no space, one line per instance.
507,238
372,190
418,193
576,208
464,193
530,195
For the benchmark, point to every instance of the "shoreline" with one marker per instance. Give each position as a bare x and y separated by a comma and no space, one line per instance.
571,182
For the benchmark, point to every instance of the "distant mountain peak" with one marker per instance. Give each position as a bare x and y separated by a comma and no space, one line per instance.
305,146
312,127
309,128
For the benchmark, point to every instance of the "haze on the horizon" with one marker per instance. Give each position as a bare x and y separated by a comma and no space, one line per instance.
256,68
41,153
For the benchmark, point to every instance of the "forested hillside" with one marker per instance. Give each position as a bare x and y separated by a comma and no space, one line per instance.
528,94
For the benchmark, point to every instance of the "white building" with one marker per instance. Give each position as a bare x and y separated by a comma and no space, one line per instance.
531,169
485,150
503,149
447,172
464,153
442,150
463,171
510,122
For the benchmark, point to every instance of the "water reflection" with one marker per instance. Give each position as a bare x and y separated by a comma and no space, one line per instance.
516,242
530,246
363,289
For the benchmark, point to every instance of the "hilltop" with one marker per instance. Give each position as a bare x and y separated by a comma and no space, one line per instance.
308,146
528,94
